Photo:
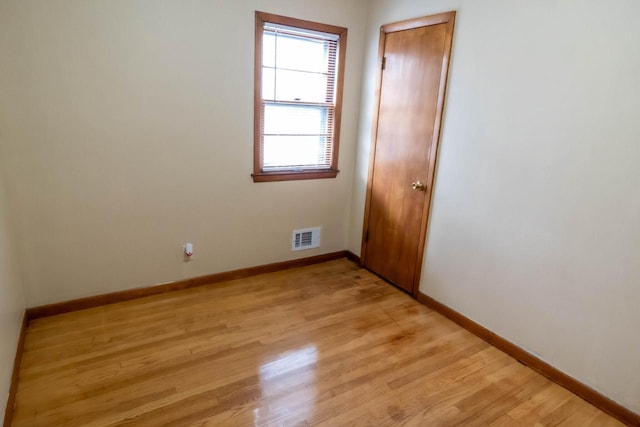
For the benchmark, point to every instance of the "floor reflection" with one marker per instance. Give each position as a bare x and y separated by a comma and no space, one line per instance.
288,383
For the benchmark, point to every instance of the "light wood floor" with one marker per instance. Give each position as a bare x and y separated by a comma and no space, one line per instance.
329,344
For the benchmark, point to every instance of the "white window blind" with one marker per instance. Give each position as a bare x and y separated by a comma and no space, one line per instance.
299,70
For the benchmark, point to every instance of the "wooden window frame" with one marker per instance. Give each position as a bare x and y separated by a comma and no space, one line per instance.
258,174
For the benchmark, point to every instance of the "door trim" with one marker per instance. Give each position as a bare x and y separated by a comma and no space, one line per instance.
447,18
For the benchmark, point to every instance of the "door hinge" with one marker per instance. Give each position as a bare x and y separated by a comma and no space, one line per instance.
384,62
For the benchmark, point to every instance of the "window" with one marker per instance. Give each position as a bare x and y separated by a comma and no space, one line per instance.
299,67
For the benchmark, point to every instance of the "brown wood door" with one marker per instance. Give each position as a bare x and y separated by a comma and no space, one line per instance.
414,58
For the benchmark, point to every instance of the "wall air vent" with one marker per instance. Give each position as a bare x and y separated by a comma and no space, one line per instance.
307,238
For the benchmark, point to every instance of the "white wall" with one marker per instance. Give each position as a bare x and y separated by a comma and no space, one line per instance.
535,229
12,300
126,130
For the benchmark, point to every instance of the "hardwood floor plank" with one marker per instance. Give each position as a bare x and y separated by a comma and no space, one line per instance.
328,344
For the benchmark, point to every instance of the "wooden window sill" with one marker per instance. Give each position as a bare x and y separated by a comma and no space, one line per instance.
293,176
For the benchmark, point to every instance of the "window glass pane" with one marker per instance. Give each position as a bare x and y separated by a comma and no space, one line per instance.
295,119
300,86
268,83
269,49
301,151
295,53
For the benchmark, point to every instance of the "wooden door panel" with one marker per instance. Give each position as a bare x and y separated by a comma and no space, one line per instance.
408,110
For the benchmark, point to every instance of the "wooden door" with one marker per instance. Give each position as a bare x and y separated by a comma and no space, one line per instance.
414,61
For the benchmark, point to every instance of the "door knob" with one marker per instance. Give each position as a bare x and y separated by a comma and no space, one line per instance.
418,186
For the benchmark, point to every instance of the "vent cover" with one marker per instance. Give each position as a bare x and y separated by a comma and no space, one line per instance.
306,238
